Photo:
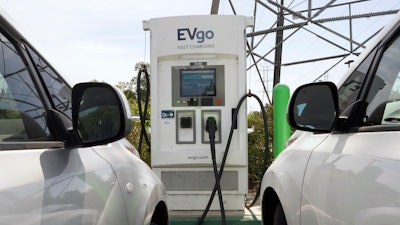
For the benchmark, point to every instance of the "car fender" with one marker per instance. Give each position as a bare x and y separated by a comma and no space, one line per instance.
137,181
285,176
156,196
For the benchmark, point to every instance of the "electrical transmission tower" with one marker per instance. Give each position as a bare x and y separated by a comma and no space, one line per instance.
279,23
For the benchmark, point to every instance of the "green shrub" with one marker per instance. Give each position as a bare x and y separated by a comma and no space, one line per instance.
256,151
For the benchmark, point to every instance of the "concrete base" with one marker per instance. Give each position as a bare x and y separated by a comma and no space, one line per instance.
232,202
250,216
244,216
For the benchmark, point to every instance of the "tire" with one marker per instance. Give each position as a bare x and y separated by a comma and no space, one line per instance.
279,216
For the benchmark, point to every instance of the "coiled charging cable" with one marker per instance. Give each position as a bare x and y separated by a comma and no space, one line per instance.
221,170
143,112
211,128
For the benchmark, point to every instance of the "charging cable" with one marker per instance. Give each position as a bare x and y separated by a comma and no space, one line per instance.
266,149
221,170
211,128
143,112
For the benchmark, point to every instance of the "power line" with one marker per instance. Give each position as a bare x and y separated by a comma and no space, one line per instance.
279,27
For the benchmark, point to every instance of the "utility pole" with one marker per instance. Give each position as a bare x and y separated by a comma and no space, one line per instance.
278,44
214,7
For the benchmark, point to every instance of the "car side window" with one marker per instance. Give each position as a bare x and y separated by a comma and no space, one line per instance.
384,94
59,91
349,91
22,114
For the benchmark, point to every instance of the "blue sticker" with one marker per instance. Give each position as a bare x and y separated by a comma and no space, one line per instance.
300,109
165,114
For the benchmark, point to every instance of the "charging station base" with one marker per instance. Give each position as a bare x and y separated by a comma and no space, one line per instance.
199,202
216,220
191,188
250,216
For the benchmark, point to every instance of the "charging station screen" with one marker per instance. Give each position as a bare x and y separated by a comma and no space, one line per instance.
198,82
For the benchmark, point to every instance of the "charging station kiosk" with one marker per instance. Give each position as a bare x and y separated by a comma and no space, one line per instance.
198,70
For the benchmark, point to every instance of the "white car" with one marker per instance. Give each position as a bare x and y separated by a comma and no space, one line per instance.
342,166
63,158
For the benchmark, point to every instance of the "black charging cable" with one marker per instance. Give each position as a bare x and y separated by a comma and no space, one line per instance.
221,170
266,149
143,112
211,128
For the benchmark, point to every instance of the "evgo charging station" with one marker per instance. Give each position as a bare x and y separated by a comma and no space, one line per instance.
198,75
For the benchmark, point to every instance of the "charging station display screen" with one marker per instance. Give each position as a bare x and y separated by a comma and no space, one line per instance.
199,82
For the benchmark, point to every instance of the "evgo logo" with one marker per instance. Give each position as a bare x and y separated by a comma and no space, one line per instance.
199,35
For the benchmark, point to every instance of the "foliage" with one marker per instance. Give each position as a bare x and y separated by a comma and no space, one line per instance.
134,136
9,114
130,91
256,151
91,130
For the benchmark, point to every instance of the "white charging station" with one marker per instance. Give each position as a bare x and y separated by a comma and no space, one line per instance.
198,70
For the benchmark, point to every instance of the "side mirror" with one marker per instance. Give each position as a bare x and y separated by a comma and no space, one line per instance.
314,107
100,113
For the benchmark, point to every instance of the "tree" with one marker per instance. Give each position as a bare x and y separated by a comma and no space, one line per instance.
256,152
131,93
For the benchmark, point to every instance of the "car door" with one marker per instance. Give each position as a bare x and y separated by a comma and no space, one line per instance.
352,176
41,181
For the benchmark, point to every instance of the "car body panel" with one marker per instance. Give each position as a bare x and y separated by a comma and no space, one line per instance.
45,183
347,178
140,186
286,174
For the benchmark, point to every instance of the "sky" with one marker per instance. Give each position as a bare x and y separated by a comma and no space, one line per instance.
94,39
103,39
